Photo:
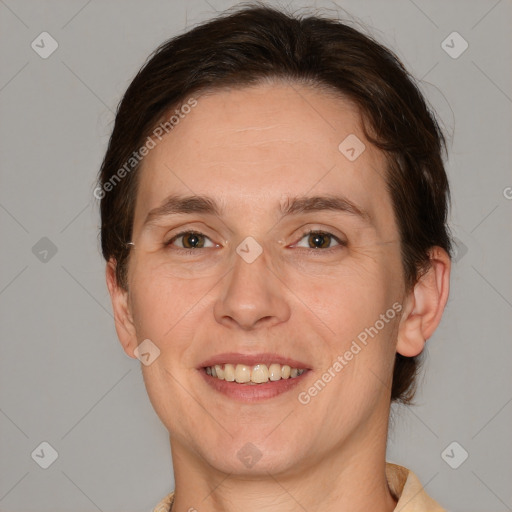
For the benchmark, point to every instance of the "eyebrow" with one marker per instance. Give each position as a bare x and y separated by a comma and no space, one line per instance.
175,204
298,205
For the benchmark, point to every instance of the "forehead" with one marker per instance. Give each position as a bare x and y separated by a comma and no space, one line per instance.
254,146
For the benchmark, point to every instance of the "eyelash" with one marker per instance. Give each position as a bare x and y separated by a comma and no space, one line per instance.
180,249
341,243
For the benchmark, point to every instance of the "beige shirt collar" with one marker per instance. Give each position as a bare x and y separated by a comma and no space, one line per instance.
404,485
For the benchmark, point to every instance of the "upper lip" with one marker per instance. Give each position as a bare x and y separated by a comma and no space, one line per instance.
252,359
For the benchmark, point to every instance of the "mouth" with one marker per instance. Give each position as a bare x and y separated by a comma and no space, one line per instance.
257,374
249,378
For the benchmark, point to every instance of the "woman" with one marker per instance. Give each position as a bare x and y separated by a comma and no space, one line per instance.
273,205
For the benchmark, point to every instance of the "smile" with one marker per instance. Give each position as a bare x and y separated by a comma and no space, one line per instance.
257,374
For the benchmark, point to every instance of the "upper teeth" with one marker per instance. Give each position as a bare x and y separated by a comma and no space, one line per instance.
258,374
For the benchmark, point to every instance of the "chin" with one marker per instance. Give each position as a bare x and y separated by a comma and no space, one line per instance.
243,457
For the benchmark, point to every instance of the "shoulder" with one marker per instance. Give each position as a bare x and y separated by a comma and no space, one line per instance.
407,489
165,504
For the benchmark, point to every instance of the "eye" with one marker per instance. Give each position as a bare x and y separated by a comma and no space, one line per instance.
190,240
318,240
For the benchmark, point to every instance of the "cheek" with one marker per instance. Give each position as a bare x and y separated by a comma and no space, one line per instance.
355,312
348,298
163,304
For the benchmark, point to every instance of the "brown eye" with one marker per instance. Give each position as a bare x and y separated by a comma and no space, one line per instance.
193,241
190,240
319,240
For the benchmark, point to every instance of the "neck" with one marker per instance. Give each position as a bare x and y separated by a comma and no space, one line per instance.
348,478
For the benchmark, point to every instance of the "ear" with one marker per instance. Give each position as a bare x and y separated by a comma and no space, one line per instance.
125,327
424,305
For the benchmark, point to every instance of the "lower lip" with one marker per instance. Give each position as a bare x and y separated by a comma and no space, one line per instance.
252,392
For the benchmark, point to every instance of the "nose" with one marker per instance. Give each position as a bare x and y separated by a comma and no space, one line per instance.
251,296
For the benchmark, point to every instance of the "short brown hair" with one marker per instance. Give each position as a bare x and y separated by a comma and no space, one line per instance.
258,43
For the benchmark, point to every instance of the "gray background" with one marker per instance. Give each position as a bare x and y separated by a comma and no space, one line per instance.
64,378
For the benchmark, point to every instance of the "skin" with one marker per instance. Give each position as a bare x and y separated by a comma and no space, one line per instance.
249,150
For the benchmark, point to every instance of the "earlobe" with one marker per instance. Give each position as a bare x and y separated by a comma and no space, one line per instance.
425,305
124,324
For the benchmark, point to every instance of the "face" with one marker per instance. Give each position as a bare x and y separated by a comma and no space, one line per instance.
275,247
